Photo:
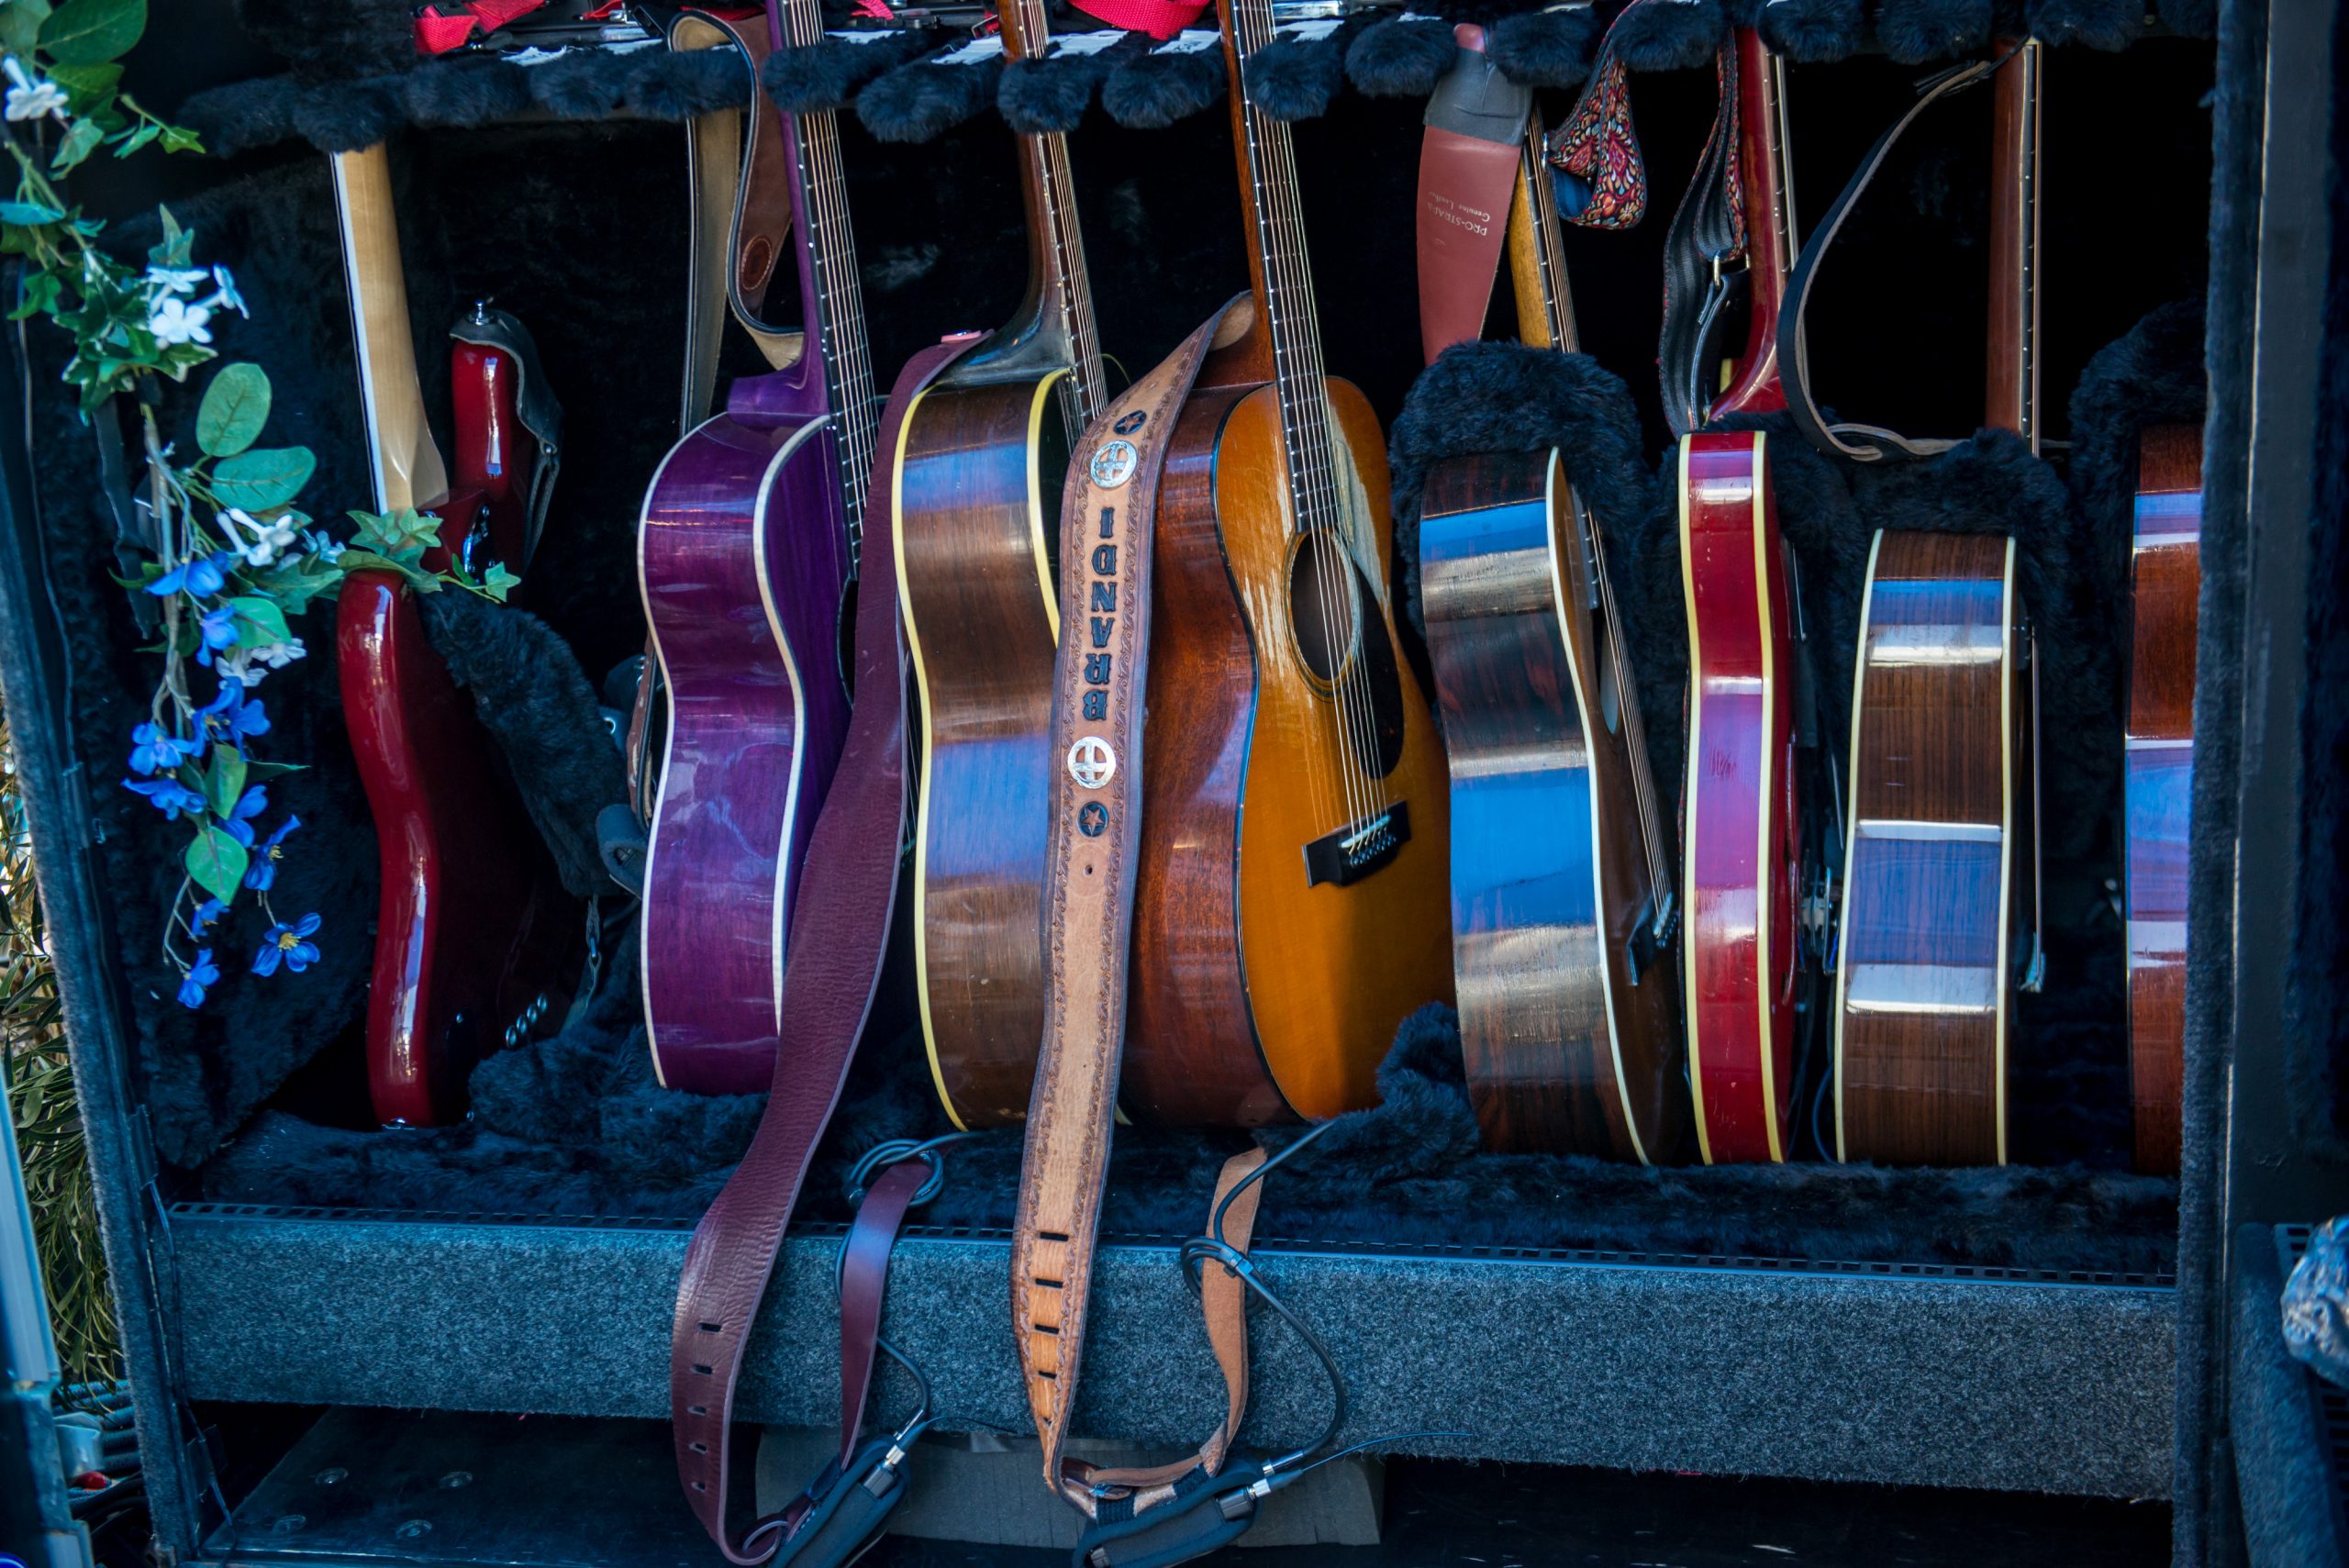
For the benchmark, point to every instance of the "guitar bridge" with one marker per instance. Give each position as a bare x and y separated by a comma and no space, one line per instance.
1347,854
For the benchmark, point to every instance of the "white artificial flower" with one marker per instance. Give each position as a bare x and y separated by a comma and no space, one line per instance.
268,540
225,293
176,321
236,664
163,281
29,97
277,655
322,546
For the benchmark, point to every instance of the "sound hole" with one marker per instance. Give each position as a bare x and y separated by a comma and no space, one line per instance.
1324,613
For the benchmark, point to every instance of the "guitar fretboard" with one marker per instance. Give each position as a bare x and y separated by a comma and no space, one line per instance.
1065,291
834,294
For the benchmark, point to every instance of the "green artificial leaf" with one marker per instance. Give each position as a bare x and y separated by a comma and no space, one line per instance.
91,32
28,213
225,781
177,138
20,22
261,773
216,862
236,406
267,621
136,140
262,478
80,142
402,537
497,582
176,245
85,82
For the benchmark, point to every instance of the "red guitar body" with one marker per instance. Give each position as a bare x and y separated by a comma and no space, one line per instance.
474,929
1742,842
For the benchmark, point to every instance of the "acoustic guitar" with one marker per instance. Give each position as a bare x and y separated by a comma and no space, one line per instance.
1290,903
474,932
2165,582
979,465
1743,845
746,555
1939,919
1562,892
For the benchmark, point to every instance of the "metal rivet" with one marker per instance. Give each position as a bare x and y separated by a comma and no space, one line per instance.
456,1478
414,1530
286,1524
334,1477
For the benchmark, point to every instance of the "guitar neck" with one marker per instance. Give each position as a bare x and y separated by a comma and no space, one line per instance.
1284,344
2013,360
1058,312
1764,156
831,298
407,466
1537,266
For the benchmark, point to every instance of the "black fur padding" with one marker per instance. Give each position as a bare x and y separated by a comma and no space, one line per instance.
2099,24
1545,49
1810,32
1052,94
323,39
535,701
1296,78
2192,19
1677,37
1402,57
928,98
341,117
826,75
1153,91
1915,31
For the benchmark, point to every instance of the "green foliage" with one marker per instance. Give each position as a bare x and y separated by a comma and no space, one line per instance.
236,407
264,480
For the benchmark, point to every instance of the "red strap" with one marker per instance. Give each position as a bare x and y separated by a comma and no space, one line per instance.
437,34
864,1282
495,14
836,942
1159,18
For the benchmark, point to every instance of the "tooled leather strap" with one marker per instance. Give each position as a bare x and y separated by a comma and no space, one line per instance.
1107,513
1876,444
1470,156
838,937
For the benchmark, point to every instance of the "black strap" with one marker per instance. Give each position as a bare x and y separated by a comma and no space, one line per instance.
1876,444
1708,231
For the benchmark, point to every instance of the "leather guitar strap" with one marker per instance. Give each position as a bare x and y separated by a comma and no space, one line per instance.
1708,231
839,935
1470,156
1108,514
1874,444
865,1281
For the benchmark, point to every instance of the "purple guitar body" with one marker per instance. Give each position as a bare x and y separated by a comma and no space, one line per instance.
744,555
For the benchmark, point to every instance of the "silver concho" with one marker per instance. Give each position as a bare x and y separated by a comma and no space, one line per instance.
1091,762
1113,464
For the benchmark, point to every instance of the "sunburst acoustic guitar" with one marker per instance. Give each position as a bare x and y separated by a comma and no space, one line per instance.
1561,891
979,465
1291,896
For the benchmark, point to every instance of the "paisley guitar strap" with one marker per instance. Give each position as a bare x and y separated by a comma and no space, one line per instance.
838,937
1108,514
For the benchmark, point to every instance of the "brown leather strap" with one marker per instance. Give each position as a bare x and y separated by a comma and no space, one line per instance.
1223,1301
1469,157
837,940
1106,515
865,1281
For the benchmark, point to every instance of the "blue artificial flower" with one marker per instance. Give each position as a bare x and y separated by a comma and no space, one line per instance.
202,578
206,913
219,631
263,874
232,716
202,973
250,804
155,749
167,796
286,944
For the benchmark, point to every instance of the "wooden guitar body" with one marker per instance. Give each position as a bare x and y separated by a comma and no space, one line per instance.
1569,1013
1257,992
473,927
1742,849
1940,867
744,563
2165,582
978,487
